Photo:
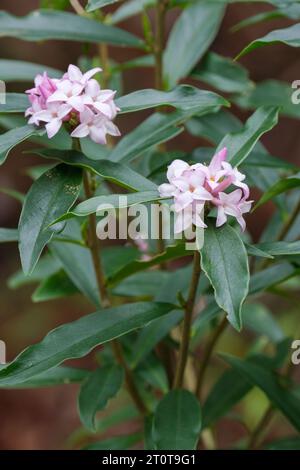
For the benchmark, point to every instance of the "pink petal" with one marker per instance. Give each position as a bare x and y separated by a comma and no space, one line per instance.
74,73
57,96
216,163
97,135
53,127
81,131
166,190
221,218
77,103
112,129
91,73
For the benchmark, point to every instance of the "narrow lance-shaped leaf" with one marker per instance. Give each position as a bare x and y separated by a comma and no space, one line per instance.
240,144
115,172
224,260
177,421
289,36
100,386
223,74
280,187
183,97
49,197
284,399
14,103
48,24
8,235
76,339
21,71
191,36
10,139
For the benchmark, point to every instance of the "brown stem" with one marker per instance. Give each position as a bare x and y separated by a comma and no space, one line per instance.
78,8
207,354
103,53
161,8
261,428
187,322
94,245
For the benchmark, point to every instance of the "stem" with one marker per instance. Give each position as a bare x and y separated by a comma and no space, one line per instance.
207,354
78,7
94,245
161,8
187,322
260,429
104,58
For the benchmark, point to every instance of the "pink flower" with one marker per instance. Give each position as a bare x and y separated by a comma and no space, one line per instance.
54,116
96,126
233,204
75,98
196,186
75,75
101,100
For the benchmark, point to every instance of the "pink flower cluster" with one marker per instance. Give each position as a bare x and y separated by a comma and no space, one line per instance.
194,186
76,99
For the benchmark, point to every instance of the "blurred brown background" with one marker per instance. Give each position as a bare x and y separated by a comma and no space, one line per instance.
43,419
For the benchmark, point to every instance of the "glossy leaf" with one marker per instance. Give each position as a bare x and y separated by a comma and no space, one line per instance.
130,8
280,248
100,386
223,74
76,339
115,172
240,144
183,97
290,11
10,139
93,5
263,378
259,319
8,235
106,202
224,261
21,71
49,197
48,24
60,375
191,36
46,266
177,421
15,103
289,36
54,287
282,186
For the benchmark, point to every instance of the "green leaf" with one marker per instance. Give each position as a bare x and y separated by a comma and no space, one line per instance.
15,103
289,36
224,396
280,397
156,129
152,334
17,195
171,252
280,187
116,443
93,5
10,139
115,172
78,264
280,248
152,371
49,197
130,8
117,201
60,375
55,4
223,74
224,261
76,339
21,71
141,284
259,319
240,144
177,421
288,443
191,36
9,235
54,287
183,97
46,266
100,386
48,24
291,11
270,93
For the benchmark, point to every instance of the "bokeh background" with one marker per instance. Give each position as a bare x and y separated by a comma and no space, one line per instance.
47,418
